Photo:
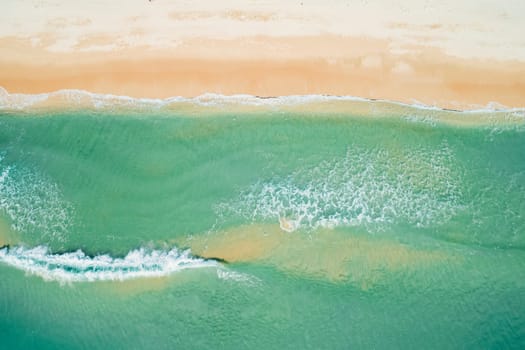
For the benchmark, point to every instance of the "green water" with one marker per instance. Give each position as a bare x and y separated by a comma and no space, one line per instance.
429,221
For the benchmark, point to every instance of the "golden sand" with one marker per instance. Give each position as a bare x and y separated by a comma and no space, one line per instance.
451,54
429,77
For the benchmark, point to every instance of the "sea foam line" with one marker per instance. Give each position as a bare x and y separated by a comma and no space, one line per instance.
82,98
79,267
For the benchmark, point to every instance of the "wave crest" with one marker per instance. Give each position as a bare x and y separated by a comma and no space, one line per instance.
78,267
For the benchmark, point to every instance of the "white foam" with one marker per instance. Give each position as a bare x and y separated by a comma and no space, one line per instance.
33,203
364,188
421,119
81,98
235,276
78,267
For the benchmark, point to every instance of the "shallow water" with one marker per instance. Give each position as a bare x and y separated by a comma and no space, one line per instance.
304,231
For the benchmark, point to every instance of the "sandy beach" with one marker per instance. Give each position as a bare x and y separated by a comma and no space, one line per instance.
437,55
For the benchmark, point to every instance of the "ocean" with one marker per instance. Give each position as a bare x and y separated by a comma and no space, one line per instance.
247,223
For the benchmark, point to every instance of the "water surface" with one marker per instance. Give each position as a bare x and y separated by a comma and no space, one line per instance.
260,230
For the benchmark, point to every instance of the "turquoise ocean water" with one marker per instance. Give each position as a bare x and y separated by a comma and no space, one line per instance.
165,229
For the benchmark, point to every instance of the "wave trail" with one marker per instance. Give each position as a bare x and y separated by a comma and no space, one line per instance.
365,188
78,267
33,203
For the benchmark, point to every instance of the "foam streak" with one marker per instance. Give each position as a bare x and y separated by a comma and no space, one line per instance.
78,267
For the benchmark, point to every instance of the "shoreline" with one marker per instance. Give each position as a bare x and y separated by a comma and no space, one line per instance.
211,104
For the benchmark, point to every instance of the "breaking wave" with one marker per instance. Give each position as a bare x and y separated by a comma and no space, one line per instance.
78,267
364,188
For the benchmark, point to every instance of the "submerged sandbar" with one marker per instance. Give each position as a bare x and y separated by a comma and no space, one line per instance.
328,254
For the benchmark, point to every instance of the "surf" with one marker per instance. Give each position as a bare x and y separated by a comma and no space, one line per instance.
77,266
368,188
33,203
